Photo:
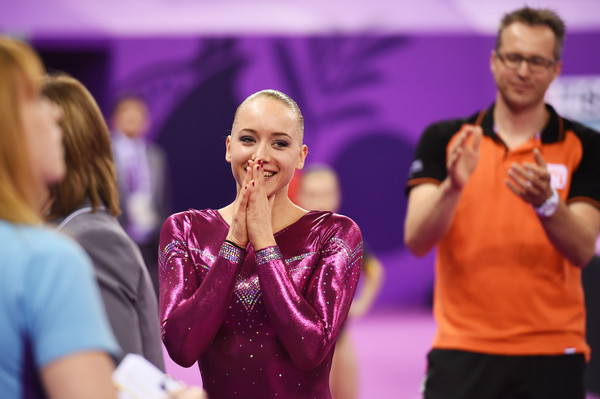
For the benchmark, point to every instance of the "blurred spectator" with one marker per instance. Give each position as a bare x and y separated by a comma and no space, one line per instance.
319,189
142,178
85,205
56,342
510,199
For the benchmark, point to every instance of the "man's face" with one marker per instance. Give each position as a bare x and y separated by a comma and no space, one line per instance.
522,88
131,118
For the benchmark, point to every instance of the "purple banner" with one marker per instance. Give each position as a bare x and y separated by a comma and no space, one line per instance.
365,98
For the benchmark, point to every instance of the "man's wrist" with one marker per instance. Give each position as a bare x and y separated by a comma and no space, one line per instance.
449,187
549,207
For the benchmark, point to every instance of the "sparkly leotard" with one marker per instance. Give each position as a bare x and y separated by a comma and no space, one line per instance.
261,325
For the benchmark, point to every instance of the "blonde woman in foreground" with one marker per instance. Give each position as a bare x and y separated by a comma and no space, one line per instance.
56,339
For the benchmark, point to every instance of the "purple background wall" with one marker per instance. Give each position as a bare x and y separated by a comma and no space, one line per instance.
365,97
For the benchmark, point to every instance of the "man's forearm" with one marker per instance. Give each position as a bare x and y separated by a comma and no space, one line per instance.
430,212
573,229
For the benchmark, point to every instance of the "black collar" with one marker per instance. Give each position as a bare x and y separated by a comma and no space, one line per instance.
553,132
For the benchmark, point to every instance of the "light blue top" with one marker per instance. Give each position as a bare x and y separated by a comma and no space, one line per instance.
49,306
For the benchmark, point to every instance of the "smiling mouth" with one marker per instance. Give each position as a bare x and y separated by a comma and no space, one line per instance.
521,86
268,174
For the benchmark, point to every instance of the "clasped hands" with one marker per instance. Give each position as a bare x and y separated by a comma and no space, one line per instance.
529,181
251,221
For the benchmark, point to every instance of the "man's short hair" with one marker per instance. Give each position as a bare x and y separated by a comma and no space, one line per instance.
536,17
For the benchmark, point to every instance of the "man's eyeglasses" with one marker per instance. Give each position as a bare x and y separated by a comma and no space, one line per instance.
514,60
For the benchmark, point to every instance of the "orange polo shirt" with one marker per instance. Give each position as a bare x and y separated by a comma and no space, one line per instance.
501,287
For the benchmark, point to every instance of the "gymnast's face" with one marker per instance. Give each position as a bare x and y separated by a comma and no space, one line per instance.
268,130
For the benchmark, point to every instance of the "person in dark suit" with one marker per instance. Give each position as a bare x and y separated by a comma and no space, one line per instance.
85,205
141,176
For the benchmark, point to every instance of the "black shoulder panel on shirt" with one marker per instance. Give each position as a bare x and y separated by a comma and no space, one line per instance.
586,178
430,155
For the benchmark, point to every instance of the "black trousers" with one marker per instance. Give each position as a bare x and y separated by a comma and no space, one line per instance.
454,374
591,287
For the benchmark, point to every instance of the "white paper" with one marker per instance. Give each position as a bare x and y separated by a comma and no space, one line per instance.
137,378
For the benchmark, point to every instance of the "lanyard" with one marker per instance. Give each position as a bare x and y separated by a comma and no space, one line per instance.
75,214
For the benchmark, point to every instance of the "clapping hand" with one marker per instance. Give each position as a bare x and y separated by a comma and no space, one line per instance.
531,181
463,155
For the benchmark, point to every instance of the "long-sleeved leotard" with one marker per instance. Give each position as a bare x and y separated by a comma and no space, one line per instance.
261,325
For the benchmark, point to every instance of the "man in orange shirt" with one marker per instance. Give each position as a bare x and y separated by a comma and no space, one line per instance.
510,196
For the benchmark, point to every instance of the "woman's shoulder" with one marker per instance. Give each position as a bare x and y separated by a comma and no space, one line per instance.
98,229
44,240
41,247
329,218
328,224
329,232
90,223
111,249
195,221
196,215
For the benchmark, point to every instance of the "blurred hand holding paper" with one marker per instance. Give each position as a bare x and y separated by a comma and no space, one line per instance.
137,378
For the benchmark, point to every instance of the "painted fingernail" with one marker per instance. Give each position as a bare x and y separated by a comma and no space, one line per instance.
252,184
